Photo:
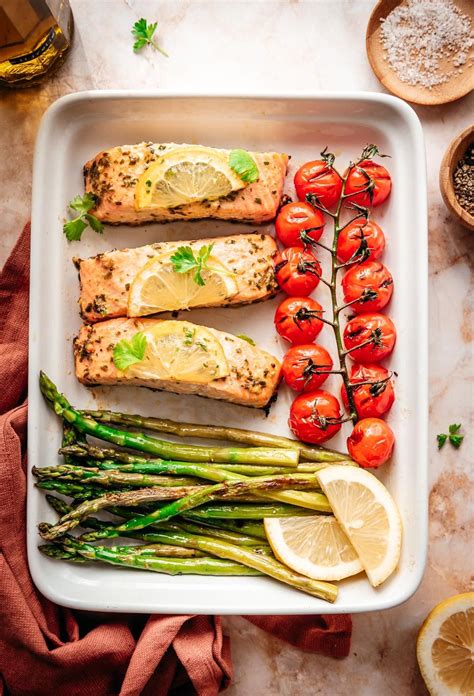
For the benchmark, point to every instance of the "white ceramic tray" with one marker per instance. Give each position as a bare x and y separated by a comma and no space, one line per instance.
75,128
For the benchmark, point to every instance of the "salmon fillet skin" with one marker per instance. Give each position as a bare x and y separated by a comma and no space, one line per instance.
253,379
112,176
105,279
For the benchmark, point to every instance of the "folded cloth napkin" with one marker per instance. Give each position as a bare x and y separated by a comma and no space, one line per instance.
46,649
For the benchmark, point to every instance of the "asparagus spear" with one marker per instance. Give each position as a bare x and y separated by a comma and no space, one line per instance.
75,490
214,432
254,529
161,448
70,472
203,495
242,511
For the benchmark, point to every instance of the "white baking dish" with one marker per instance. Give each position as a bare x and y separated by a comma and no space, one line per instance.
73,130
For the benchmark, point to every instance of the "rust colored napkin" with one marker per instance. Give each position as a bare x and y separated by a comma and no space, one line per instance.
46,649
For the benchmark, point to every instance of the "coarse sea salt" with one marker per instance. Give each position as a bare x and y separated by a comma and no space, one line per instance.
418,34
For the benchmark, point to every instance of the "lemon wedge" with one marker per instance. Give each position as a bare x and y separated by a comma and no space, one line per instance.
159,288
178,351
186,174
445,647
314,546
368,515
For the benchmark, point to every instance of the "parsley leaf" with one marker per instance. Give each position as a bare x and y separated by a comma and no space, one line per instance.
184,260
73,229
454,437
128,353
244,165
246,338
143,33
441,440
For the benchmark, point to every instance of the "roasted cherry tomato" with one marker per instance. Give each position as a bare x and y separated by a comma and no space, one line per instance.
359,241
375,395
315,417
320,179
369,182
297,271
297,319
371,443
376,332
371,283
306,367
298,224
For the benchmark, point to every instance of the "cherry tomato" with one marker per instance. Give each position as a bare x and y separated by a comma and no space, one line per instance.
306,367
297,271
371,400
297,222
320,179
369,182
371,282
297,319
359,241
315,417
376,331
371,443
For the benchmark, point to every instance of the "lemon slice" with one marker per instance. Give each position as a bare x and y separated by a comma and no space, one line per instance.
179,351
445,647
368,515
314,546
159,288
186,174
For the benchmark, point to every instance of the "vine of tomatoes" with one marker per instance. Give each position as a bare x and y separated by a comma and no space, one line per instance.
369,336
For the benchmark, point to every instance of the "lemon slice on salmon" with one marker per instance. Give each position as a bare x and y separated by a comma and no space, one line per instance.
179,351
368,515
314,546
159,288
184,175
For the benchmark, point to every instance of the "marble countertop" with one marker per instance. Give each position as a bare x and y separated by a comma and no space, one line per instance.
278,45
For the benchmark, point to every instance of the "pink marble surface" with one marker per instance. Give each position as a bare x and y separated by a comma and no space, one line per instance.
268,44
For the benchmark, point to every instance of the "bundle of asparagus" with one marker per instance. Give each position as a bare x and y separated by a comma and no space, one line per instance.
194,508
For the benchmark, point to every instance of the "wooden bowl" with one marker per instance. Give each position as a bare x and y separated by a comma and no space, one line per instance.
456,87
452,156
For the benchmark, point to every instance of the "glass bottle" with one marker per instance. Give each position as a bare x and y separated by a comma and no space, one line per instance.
35,36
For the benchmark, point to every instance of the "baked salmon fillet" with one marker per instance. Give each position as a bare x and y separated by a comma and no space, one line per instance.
112,176
253,374
105,279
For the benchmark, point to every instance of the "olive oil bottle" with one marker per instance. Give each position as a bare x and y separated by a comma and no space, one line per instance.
35,36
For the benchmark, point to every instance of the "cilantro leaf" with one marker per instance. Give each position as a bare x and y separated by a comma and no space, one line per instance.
454,428
94,223
246,338
441,440
184,260
83,203
143,33
128,353
73,229
454,437
244,165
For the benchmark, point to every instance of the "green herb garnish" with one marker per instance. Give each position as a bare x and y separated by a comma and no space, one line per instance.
454,437
73,229
128,353
244,165
143,33
184,260
246,338
189,336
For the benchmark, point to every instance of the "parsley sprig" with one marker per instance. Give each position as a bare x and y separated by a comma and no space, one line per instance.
73,229
184,260
454,437
143,33
128,353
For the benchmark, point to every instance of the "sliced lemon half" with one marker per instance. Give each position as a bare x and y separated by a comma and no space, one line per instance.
186,174
368,515
159,288
314,546
445,647
179,351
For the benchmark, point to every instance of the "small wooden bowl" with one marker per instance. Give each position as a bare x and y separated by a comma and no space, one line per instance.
452,156
456,87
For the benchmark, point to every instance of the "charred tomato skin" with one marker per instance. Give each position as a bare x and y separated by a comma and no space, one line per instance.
301,365
314,417
297,222
376,328
297,320
371,401
371,443
372,282
367,173
360,241
297,271
319,179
